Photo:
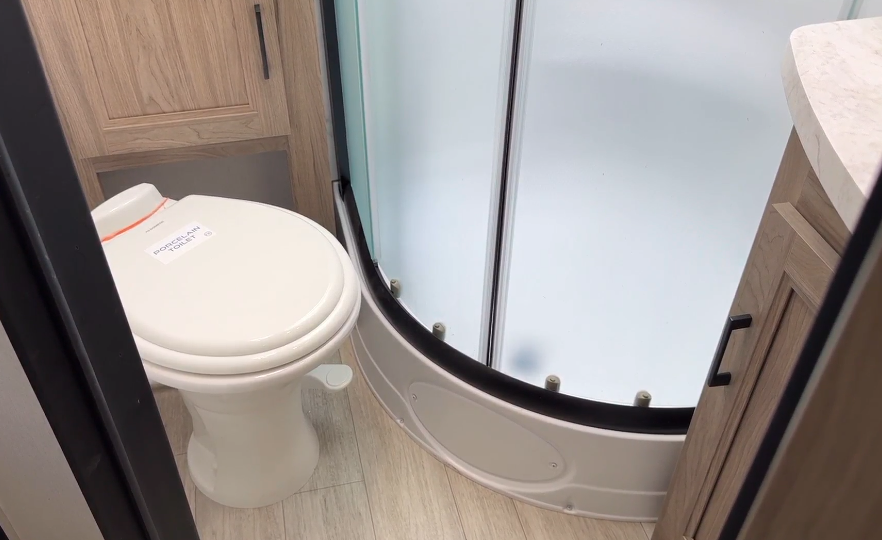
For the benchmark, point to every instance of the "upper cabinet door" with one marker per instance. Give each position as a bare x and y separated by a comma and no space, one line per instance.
175,73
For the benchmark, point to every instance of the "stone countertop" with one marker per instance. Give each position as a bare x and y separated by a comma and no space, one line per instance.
832,76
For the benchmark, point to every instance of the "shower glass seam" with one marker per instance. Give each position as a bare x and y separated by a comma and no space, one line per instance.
507,223
500,240
493,217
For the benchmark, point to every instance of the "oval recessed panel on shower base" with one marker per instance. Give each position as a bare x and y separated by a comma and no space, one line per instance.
488,442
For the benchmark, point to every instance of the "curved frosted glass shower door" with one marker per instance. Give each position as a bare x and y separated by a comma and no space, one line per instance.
650,136
434,78
589,217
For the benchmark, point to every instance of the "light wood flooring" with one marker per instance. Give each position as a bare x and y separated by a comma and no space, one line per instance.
373,482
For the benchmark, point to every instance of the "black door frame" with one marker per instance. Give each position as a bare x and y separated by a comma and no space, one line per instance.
60,308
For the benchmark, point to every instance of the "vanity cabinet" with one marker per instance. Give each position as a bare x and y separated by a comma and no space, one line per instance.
794,256
139,82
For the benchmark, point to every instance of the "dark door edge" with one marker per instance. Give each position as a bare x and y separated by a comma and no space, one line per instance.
61,311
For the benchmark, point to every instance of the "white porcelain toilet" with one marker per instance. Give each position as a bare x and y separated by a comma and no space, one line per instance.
238,305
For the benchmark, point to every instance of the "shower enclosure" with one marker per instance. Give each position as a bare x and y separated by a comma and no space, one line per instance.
567,188
581,205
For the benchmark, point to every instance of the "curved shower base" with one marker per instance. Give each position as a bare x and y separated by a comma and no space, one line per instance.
551,450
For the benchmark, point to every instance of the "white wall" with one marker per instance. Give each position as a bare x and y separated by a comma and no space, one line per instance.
870,8
39,496
258,177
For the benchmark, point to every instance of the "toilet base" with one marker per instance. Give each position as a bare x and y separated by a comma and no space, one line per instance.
250,449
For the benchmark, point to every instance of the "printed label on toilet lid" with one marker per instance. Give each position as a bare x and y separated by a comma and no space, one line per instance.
180,242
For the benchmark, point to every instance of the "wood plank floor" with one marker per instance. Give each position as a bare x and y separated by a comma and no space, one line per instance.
373,482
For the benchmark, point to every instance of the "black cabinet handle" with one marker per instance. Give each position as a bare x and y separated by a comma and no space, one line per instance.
734,322
259,17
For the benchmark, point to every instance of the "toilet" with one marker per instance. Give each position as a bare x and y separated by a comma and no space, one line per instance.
239,306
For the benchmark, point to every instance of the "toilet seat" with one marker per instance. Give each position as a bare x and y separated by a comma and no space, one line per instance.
222,287
251,382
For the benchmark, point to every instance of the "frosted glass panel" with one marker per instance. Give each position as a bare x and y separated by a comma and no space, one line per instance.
350,73
652,133
433,83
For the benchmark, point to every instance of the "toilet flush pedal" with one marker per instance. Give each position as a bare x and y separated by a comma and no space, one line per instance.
330,377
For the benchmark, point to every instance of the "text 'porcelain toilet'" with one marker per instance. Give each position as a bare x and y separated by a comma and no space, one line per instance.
238,305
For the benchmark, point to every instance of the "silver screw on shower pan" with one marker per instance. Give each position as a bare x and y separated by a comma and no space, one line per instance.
553,465
395,288
552,382
642,399
439,330
413,397
569,508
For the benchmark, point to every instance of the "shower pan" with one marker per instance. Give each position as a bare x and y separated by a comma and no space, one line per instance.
531,190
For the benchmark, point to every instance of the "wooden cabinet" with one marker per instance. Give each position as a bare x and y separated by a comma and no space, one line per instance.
178,73
152,81
794,255
808,263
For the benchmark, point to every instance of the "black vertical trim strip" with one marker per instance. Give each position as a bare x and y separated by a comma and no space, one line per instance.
499,238
59,305
869,227
335,90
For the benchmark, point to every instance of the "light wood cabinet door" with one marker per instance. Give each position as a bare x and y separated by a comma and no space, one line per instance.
162,74
699,462
808,267
789,272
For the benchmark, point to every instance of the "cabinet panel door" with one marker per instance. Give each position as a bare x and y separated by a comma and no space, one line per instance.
784,281
808,267
700,462
176,73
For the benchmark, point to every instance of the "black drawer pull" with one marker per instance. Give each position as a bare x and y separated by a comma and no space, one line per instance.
734,322
259,17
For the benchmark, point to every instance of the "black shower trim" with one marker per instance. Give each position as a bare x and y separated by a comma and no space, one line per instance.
651,420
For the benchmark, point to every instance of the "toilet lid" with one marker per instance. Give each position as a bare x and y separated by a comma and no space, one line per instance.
215,277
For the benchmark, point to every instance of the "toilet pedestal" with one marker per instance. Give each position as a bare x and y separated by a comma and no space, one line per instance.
250,449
